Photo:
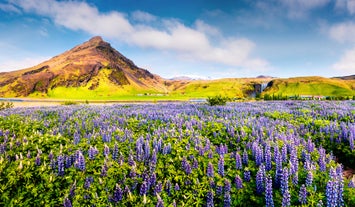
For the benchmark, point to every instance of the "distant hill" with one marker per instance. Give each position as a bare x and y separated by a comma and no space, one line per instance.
311,86
96,71
350,77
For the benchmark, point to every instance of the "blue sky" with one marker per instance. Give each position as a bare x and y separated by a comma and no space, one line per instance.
197,38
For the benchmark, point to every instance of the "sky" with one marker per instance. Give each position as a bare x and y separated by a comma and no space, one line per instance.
206,39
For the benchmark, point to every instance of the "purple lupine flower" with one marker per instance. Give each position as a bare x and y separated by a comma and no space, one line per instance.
143,189
286,198
91,153
212,183
247,175
153,159
209,199
284,153
227,185
194,164
153,179
210,154
188,169
72,190
219,190
131,161
76,138
227,199
67,203
88,181
268,164
80,162
351,184
331,193
245,157
268,192
146,150
260,177
158,188
160,203
115,152
238,182
302,195
106,150
284,180
68,161
60,164
117,194
210,172
38,160
309,178
238,161
28,154
221,166
177,187
322,164
259,156
104,169
168,187
340,183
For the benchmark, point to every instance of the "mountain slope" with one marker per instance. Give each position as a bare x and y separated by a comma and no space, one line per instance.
311,86
93,67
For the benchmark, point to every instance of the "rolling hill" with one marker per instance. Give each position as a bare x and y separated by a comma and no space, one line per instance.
96,71
317,86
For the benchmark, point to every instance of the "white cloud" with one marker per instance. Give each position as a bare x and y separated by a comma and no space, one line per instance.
346,64
301,8
348,5
9,8
8,64
193,43
143,16
343,32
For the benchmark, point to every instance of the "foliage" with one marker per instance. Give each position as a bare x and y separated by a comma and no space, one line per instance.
177,154
67,103
6,105
217,100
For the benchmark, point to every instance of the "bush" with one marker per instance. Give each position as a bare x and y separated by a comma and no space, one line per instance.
69,103
217,100
6,105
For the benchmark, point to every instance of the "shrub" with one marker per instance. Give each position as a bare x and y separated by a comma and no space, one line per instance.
6,105
69,103
217,100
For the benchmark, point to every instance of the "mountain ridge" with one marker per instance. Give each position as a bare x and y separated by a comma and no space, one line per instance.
95,70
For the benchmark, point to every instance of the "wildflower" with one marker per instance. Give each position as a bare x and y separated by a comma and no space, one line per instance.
221,166
302,196
247,175
209,199
268,192
60,164
238,182
227,199
67,203
286,198
238,161
210,172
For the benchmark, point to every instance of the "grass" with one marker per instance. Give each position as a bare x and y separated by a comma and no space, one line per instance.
311,86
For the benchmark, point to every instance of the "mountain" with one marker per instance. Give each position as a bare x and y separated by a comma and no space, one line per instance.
93,68
96,71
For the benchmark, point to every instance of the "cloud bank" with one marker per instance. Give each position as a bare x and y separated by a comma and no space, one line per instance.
198,42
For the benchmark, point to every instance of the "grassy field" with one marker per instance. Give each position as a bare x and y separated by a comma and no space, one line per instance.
311,86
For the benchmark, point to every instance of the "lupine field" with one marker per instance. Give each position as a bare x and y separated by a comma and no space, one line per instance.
181,154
